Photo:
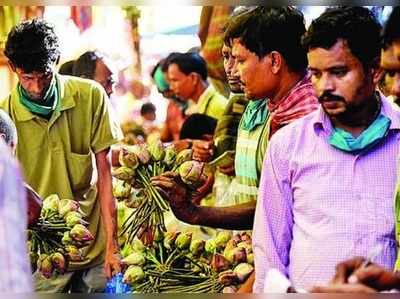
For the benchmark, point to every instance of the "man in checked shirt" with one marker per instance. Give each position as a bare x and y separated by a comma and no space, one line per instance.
328,182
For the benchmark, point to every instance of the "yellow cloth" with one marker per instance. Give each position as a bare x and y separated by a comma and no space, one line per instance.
57,155
210,103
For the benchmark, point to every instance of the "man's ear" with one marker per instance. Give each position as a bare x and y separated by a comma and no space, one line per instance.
276,61
194,77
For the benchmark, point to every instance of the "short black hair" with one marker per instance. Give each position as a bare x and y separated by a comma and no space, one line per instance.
265,29
7,127
356,25
85,65
67,68
33,46
197,125
391,31
190,63
147,108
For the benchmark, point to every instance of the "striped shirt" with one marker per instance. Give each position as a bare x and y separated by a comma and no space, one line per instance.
15,272
318,205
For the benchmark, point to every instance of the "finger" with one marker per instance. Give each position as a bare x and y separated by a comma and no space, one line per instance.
166,185
117,268
344,269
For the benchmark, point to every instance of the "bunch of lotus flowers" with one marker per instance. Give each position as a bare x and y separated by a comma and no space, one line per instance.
179,263
58,237
139,163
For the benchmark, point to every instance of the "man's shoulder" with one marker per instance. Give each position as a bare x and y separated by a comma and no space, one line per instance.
73,84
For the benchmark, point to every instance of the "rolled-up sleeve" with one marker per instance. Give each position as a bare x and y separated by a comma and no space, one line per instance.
272,232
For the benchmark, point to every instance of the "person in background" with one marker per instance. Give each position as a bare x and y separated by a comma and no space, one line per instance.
67,68
318,184
63,124
95,66
187,76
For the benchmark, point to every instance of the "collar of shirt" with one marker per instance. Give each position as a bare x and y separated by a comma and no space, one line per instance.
67,102
322,122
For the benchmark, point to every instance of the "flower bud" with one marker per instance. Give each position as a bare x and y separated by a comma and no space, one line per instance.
170,155
156,150
134,274
73,253
80,233
73,218
183,156
229,289
58,261
123,173
66,239
45,266
141,152
227,278
67,205
50,204
121,189
128,158
169,239
211,246
138,246
219,263
135,258
192,173
222,239
197,247
183,240
243,271
236,255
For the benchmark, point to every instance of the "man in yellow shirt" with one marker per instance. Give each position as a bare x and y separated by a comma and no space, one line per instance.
63,123
187,76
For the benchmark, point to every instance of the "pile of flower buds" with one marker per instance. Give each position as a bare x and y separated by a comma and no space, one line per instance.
132,185
58,236
178,263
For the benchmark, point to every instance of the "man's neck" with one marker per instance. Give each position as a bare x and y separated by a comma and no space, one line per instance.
287,82
358,121
200,88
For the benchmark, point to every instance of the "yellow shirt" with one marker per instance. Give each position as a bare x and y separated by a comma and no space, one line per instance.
210,103
56,155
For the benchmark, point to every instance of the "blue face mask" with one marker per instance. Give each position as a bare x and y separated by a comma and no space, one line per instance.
372,135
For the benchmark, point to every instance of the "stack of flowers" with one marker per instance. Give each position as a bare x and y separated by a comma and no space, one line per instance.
58,236
176,263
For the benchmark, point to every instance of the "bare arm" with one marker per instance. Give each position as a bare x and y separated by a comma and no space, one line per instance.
238,217
108,212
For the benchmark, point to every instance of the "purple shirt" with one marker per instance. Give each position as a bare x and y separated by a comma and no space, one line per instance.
318,206
15,271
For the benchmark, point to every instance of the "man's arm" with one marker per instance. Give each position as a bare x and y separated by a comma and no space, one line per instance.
273,222
108,212
237,217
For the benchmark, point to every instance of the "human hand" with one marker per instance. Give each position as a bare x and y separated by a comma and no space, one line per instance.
112,263
203,151
228,170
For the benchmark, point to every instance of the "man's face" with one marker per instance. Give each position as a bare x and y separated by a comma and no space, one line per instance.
104,76
233,79
254,73
391,64
181,84
341,84
35,84
149,116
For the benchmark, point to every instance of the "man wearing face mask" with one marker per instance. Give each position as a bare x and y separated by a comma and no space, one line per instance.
319,199
62,123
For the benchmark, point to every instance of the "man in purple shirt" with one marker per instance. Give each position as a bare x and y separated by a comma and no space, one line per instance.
327,186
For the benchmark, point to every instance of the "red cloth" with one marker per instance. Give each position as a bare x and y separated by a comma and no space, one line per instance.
82,16
300,101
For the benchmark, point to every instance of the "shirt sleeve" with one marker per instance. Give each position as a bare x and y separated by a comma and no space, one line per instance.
105,129
272,232
15,272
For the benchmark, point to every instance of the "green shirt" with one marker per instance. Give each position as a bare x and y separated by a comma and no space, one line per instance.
210,103
57,156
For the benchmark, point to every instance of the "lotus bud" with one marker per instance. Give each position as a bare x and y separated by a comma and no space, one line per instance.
169,239
135,258
141,152
236,255
243,271
222,239
66,239
197,247
158,235
230,245
135,198
128,158
45,266
183,156
156,150
250,258
58,261
237,238
50,204
227,278
74,218
229,290
73,253
170,155
183,241
133,274
247,246
210,246
123,173
219,263
138,246
67,205
192,173
121,189
80,233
